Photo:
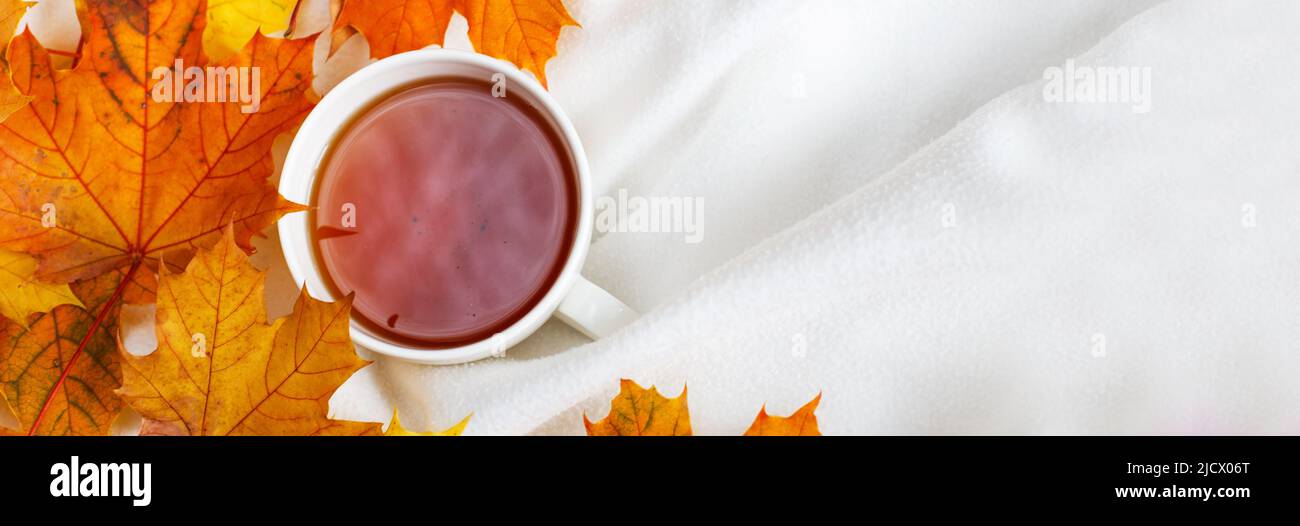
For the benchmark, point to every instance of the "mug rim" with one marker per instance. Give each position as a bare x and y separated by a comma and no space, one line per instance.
349,98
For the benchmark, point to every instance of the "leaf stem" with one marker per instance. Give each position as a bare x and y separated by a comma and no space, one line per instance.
72,54
94,327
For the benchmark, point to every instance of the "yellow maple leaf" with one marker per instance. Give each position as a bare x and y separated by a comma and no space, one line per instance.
639,412
232,23
10,99
21,294
221,369
802,423
395,429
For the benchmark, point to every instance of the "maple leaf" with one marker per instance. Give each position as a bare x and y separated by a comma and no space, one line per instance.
99,180
639,412
395,429
21,294
802,423
221,369
45,349
232,23
10,99
524,32
135,179
11,11
397,26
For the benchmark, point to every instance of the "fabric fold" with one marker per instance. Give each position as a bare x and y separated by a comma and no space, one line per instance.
872,298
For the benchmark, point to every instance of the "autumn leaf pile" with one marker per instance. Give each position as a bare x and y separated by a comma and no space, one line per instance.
109,197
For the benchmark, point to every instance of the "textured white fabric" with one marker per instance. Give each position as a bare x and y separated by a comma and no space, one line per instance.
1079,229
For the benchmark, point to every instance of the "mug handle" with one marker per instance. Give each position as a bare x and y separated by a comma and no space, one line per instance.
592,311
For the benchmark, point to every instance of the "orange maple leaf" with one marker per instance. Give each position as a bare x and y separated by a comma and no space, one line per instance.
397,26
524,32
802,423
221,369
639,412
11,11
101,180
87,406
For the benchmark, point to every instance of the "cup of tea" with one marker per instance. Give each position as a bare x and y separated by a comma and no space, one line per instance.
449,194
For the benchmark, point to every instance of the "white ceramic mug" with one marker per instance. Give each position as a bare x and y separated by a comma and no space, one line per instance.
571,297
